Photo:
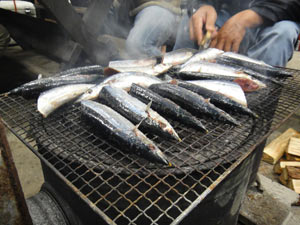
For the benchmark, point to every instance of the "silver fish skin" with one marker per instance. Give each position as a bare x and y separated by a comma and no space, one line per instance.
165,106
215,98
192,102
151,70
52,99
39,85
120,80
123,132
204,55
213,70
255,65
227,88
177,57
136,111
148,62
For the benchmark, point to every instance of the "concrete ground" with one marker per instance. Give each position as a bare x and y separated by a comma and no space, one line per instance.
28,165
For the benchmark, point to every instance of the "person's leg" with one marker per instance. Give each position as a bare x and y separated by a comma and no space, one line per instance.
275,44
183,34
153,27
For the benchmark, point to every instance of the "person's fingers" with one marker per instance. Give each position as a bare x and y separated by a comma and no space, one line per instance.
210,22
236,46
192,33
220,44
213,43
227,45
214,34
198,30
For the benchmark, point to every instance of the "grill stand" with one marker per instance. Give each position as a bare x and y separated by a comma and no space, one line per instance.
221,206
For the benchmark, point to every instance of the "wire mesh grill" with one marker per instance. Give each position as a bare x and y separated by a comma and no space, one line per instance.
127,189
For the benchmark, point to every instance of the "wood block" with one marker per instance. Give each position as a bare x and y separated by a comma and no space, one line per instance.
292,157
279,166
294,184
294,147
292,172
282,178
275,150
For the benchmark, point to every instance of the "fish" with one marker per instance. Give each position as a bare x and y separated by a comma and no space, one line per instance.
177,57
192,102
136,111
227,88
120,80
133,63
215,98
54,98
248,71
208,70
91,69
151,70
255,65
165,106
204,55
122,131
43,84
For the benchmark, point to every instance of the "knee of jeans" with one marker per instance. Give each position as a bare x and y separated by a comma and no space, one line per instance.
287,30
134,44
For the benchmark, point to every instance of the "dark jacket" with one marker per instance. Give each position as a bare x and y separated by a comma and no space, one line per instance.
275,10
271,10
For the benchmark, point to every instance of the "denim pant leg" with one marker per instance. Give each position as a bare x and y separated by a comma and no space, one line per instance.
153,27
183,34
275,44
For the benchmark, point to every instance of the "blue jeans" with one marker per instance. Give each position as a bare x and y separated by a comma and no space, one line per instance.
153,27
273,44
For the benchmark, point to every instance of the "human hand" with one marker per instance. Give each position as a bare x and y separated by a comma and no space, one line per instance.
204,17
231,34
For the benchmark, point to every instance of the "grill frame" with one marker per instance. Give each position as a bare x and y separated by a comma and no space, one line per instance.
246,147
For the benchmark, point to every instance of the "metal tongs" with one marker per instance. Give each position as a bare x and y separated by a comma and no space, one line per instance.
205,41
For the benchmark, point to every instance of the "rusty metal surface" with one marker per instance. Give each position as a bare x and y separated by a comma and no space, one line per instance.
13,208
124,189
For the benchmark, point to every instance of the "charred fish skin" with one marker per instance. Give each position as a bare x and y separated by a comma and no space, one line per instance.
165,106
192,101
215,98
255,65
136,111
43,84
122,131
91,69
227,61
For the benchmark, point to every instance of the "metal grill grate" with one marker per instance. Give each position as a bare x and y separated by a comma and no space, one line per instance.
125,189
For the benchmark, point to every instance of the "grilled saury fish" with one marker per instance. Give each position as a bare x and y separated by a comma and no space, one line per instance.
120,80
136,111
52,99
192,101
123,132
165,106
215,98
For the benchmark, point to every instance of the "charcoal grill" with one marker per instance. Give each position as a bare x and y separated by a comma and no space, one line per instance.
101,184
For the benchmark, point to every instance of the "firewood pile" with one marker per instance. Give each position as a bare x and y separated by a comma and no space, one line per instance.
284,153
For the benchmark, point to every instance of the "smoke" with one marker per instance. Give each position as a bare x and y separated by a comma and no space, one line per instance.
145,33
